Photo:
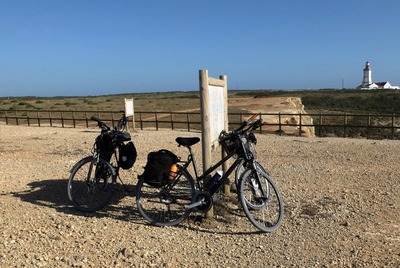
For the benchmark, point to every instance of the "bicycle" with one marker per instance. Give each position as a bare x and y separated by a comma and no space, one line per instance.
260,198
92,179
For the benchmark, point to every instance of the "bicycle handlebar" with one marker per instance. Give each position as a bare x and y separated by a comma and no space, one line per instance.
100,123
251,124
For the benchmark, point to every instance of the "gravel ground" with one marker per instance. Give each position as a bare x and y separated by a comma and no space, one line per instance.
341,207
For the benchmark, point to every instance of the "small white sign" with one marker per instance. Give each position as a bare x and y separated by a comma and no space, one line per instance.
129,107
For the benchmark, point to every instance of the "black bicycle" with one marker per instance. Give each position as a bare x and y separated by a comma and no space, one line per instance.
93,179
171,202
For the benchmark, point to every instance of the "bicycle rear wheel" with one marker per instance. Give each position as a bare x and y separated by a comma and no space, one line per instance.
91,184
264,208
165,206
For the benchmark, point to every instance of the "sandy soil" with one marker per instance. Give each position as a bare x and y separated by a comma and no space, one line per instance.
342,201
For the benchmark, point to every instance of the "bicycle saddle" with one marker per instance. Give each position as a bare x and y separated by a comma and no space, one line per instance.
187,141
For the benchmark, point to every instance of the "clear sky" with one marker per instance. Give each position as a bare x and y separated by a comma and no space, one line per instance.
96,47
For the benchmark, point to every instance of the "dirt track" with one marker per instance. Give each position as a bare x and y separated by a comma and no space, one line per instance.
342,199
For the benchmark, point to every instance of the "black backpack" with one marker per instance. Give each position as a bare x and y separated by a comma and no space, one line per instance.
158,166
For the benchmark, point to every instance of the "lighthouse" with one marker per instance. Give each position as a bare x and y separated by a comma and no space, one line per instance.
368,84
367,78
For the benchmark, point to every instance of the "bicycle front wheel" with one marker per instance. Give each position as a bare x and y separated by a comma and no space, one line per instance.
165,206
91,184
261,200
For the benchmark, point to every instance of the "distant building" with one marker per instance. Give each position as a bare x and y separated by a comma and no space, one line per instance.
367,81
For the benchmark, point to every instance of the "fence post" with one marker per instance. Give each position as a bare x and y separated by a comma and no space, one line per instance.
51,121
280,123
6,118
38,118
188,120
172,122
392,126
156,118
73,119
27,118
368,125
86,119
320,124
345,126
300,124
141,121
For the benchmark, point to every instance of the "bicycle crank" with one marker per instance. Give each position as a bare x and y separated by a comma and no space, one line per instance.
201,201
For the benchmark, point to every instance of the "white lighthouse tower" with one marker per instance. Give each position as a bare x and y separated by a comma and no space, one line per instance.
367,78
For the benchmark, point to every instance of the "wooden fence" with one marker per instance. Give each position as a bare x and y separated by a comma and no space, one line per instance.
339,124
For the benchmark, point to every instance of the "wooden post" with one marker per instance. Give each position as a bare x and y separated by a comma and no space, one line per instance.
320,124
188,121
225,166
141,121
205,126
73,119
300,125
172,122
27,118
87,121
156,118
392,126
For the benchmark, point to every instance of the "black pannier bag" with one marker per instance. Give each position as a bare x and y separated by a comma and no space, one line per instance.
104,146
127,155
158,166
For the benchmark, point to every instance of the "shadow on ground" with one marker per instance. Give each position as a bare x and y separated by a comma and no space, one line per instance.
52,193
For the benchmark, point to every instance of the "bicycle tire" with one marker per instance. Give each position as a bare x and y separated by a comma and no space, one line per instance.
91,184
264,212
164,206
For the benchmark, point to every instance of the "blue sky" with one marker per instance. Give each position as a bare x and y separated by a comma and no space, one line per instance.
85,47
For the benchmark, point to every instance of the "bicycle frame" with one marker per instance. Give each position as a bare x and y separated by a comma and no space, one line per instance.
201,178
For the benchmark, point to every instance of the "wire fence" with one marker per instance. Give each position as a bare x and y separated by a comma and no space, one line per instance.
328,124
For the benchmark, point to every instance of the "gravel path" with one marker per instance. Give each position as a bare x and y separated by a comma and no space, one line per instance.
341,200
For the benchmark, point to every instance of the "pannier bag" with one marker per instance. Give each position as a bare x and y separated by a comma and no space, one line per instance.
104,146
127,155
158,166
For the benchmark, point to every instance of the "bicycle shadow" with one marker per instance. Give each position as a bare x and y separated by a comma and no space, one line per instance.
52,193
226,219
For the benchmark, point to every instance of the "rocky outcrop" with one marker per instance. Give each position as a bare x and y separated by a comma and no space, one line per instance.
282,114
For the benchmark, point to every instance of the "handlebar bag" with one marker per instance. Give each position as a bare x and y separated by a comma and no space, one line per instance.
158,166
